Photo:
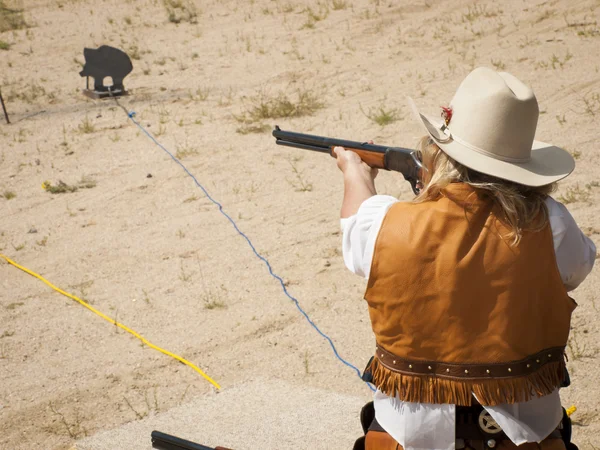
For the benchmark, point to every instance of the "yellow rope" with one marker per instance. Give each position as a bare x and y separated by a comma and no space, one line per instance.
120,325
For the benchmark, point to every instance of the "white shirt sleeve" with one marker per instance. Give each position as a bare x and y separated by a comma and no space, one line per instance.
360,233
575,252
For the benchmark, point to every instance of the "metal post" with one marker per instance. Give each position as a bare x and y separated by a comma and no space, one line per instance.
4,107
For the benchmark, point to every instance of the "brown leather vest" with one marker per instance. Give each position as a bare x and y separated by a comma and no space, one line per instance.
457,310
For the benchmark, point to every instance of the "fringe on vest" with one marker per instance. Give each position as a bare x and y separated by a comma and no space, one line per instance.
489,392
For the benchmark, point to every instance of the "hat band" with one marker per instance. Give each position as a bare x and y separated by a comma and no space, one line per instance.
450,136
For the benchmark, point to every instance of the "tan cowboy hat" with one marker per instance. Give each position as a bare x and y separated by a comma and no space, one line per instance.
489,127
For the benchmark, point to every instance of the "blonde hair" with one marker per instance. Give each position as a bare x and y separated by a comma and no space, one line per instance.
522,207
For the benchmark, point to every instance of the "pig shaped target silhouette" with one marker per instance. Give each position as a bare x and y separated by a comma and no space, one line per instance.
106,61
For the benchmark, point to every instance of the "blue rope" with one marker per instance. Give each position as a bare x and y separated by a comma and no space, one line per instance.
258,255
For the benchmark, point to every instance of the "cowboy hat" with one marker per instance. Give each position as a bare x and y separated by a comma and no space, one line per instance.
490,127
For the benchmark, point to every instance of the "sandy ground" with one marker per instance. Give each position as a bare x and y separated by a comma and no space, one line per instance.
146,247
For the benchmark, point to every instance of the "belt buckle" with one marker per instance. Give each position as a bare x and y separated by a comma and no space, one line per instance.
487,424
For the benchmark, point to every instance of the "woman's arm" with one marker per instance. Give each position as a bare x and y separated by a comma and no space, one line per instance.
575,252
359,181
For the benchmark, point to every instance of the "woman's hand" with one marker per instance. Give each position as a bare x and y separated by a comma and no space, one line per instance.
351,165
359,180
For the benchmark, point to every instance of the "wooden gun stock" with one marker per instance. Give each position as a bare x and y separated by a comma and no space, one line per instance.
372,159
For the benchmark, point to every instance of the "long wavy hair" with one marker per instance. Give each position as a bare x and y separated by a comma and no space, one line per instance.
522,208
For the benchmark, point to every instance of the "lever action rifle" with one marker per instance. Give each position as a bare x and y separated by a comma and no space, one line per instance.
403,160
163,441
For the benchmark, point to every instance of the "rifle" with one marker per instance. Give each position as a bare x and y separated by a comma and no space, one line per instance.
403,160
163,441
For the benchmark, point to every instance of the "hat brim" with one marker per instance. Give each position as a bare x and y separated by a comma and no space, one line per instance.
547,165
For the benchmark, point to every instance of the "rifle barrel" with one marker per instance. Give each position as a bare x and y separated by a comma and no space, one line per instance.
315,148
163,441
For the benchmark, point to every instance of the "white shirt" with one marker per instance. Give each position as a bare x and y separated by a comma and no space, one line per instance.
424,426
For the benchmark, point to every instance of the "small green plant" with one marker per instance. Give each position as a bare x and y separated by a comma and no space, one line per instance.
14,305
382,115
179,11
183,151
498,64
202,93
11,18
263,106
63,188
138,415
576,347
86,126
306,363
183,275
29,94
215,304
555,61
591,104
588,32
477,11
253,128
146,297
211,298
74,428
526,42
299,183
545,15
339,4
9,195
561,119
86,183
134,52
575,194
60,188
4,45
313,17
149,405
193,198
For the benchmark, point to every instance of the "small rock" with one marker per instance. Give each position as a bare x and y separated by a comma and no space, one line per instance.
32,230
149,175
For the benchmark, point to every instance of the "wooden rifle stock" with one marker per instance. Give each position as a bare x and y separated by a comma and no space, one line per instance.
372,159
398,159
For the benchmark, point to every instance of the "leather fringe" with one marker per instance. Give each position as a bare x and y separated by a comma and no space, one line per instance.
489,392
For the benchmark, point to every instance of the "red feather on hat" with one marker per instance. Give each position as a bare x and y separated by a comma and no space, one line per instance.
447,114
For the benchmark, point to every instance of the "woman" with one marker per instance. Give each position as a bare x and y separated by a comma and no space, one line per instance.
467,284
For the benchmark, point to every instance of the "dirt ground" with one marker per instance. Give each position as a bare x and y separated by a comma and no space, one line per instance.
142,243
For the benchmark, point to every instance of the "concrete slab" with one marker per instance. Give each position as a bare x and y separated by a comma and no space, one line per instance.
270,414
